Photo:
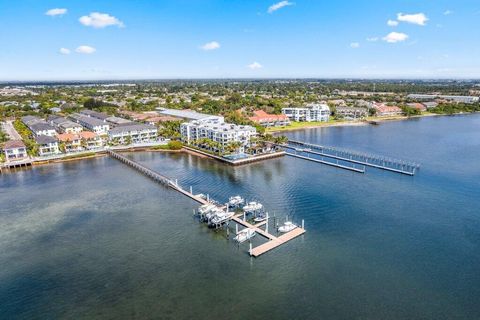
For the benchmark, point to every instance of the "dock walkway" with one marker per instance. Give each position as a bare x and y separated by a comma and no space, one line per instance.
273,241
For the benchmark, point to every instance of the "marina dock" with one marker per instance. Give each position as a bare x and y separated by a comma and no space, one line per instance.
273,241
352,157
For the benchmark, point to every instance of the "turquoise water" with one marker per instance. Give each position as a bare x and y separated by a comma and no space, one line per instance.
95,239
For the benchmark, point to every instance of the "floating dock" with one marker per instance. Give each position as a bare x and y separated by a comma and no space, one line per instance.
337,165
273,241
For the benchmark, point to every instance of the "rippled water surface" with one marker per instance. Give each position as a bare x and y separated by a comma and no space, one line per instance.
94,239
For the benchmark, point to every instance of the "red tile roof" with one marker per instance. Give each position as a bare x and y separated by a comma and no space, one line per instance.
262,116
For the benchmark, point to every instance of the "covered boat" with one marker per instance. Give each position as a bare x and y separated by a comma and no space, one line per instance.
244,235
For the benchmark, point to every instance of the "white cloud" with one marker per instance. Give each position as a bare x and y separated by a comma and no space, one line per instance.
100,20
394,37
64,51
372,39
85,49
354,45
56,12
210,46
279,5
447,12
255,65
417,18
392,23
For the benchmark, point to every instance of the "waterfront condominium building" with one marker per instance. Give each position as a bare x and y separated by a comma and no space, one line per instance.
135,132
310,112
217,131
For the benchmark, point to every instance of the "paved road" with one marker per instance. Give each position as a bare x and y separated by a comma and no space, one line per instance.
10,130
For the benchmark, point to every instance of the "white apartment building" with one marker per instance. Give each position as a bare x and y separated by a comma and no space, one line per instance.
217,131
310,112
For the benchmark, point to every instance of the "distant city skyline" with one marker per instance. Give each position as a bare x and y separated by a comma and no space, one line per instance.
173,39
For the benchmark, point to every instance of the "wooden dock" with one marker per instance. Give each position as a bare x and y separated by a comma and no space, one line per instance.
273,241
16,164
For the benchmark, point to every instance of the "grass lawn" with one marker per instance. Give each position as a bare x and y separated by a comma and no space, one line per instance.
300,125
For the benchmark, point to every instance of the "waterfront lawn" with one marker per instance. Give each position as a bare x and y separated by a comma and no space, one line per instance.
303,124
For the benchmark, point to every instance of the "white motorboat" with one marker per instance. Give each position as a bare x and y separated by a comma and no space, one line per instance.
245,235
253,206
287,227
235,201
206,208
220,217
212,213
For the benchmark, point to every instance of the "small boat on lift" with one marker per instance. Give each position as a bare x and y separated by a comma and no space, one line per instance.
206,208
235,201
220,218
262,216
287,227
245,235
253,206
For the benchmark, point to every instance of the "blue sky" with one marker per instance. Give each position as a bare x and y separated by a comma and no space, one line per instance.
238,38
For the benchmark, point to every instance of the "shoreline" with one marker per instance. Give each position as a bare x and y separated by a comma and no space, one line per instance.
98,155
187,150
364,122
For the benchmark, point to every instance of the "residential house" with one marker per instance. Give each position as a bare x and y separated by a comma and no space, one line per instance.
15,150
90,140
47,145
85,140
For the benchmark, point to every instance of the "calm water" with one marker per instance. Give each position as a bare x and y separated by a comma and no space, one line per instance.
96,240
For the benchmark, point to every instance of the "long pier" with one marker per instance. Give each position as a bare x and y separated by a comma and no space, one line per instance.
273,241
349,156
